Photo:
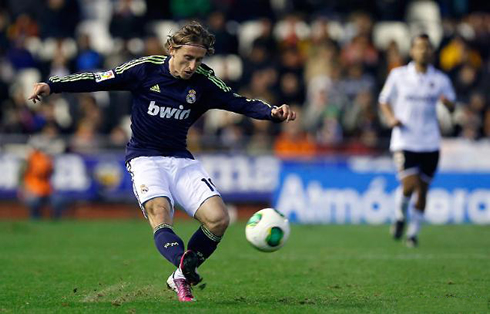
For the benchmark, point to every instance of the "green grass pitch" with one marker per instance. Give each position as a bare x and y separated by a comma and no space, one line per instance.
112,266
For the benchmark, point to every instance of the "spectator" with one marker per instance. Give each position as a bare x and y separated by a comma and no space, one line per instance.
325,49
87,59
356,81
486,124
390,58
266,39
360,50
469,118
85,139
153,46
189,9
258,59
458,52
291,89
127,21
294,141
4,21
466,78
59,64
19,57
226,42
35,189
23,27
321,51
260,141
58,18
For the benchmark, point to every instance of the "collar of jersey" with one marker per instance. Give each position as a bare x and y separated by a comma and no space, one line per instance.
411,68
166,66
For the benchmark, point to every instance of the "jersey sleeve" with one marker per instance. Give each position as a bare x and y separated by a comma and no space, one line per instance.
124,77
388,93
221,96
447,89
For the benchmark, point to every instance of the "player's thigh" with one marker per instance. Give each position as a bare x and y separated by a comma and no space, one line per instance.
407,166
192,185
406,163
150,181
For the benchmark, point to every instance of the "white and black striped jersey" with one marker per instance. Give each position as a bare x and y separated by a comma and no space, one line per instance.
413,97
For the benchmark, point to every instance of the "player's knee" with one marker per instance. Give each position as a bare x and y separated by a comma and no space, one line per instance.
407,191
218,224
157,208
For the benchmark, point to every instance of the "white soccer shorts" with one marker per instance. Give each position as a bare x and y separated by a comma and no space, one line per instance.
181,180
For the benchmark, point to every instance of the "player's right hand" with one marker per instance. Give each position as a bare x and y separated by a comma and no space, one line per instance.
40,89
395,123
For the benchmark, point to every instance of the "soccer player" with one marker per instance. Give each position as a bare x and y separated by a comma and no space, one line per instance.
169,94
408,101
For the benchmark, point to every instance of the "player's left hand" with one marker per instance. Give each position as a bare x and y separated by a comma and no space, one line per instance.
283,113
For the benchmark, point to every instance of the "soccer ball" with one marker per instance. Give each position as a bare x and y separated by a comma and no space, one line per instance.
267,230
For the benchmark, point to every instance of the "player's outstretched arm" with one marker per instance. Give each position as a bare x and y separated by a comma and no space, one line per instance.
40,89
283,113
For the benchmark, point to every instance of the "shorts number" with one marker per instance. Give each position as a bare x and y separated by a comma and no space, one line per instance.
209,183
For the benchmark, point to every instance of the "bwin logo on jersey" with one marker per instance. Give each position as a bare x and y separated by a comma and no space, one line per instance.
168,112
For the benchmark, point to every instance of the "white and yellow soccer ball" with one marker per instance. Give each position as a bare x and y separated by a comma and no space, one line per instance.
267,230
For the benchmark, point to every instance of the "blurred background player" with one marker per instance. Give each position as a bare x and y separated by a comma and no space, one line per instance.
408,101
35,189
169,94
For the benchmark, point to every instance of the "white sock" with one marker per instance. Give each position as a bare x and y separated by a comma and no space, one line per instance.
415,223
178,274
401,205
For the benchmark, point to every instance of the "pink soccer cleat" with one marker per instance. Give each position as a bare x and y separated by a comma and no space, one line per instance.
182,288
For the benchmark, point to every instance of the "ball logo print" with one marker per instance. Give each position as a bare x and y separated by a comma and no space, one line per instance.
267,230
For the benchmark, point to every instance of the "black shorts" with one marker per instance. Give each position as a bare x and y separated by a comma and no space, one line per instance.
423,164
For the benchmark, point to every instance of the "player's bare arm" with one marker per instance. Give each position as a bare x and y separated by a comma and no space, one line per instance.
390,116
283,113
447,103
40,89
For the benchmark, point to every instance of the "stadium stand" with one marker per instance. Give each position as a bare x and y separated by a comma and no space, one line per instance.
328,61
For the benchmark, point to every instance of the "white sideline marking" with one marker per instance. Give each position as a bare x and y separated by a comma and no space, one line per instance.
419,256
384,256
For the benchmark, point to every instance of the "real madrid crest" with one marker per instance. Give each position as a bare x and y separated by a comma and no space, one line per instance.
143,188
191,97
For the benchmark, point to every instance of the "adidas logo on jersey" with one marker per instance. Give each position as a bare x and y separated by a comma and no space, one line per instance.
168,112
155,88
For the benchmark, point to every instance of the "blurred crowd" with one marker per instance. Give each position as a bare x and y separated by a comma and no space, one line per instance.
327,59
